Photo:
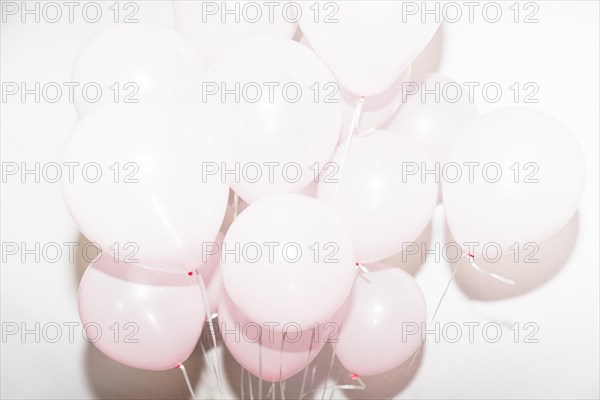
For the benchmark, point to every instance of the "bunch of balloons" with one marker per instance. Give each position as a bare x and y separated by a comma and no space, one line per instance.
241,106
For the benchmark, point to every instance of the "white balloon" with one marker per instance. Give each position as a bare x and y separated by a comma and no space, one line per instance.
380,196
367,44
130,62
288,260
153,201
277,137
376,110
433,123
215,26
528,176
385,322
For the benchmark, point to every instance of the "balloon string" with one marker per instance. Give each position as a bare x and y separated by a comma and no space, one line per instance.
271,392
282,386
360,386
281,363
242,382
490,274
235,205
260,372
250,386
355,118
307,365
437,308
329,371
206,358
187,380
215,359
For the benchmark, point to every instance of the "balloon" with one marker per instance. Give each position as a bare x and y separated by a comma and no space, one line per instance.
385,321
215,26
277,138
144,319
152,203
376,110
525,180
433,123
211,272
288,259
367,45
384,204
131,62
252,344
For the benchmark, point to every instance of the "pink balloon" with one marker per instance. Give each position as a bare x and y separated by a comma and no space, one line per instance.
433,124
213,29
211,272
282,356
534,186
376,110
142,318
276,139
366,44
148,200
384,323
383,205
289,259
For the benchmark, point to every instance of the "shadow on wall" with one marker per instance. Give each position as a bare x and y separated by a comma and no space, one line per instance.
109,379
387,385
429,59
412,263
85,253
535,266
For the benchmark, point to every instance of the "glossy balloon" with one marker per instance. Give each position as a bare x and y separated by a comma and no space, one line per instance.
272,354
134,62
152,204
383,204
283,128
367,45
528,178
144,319
433,123
376,110
308,274
210,272
384,323
216,26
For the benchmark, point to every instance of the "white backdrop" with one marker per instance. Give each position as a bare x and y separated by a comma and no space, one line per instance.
560,295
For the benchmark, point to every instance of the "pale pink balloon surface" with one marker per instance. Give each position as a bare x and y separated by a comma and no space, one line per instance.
376,110
141,318
214,26
367,44
210,272
275,107
133,62
384,323
432,122
383,203
146,198
269,353
527,180
289,260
